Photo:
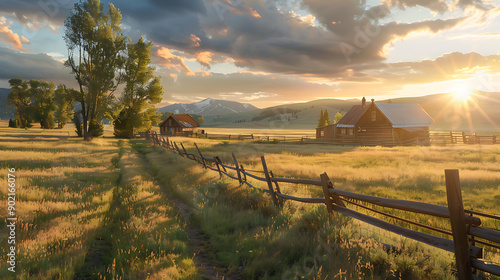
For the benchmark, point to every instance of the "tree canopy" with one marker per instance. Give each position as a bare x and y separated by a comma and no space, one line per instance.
95,53
142,91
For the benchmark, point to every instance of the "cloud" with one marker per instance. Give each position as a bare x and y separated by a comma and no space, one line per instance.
33,14
33,66
172,61
438,6
204,58
9,37
454,65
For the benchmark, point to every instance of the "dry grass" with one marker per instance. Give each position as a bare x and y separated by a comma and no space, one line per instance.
73,196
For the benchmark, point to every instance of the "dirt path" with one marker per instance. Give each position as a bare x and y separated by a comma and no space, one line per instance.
206,267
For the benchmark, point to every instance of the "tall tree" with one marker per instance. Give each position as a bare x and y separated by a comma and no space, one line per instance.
326,117
44,106
20,96
94,55
63,99
321,121
142,91
338,117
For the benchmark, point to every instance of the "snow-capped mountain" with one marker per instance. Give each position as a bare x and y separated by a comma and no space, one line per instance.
209,107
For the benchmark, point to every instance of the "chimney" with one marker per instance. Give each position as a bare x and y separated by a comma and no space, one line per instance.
373,100
363,102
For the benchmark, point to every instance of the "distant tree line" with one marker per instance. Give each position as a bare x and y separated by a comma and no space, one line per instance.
40,102
324,118
101,59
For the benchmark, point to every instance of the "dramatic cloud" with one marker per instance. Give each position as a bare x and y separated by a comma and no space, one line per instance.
9,37
33,66
172,61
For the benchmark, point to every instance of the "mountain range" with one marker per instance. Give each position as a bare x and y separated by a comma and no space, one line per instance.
480,113
208,107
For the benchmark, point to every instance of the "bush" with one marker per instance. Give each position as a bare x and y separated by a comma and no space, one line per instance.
78,124
96,128
122,126
13,123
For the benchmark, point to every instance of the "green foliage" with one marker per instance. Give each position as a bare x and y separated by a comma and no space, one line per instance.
63,99
338,117
324,118
20,96
164,116
12,123
142,91
34,101
78,123
96,128
95,49
44,106
198,118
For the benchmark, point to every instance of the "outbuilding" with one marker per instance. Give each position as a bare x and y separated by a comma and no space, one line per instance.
178,123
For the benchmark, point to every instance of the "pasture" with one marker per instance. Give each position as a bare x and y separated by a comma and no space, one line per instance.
110,209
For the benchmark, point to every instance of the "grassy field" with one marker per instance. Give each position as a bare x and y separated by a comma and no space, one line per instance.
105,209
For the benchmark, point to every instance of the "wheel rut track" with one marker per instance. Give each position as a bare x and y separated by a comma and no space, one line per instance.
207,267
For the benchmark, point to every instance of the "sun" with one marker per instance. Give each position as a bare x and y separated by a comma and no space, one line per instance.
463,94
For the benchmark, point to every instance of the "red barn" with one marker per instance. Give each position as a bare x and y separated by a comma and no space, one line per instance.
178,123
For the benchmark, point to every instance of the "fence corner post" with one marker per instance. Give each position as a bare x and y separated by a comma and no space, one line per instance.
458,226
237,169
324,183
269,182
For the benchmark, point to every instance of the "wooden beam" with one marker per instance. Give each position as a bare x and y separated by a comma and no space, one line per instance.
237,168
325,180
269,183
458,226
407,205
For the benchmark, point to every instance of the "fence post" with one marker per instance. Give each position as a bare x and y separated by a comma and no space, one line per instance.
278,190
328,201
494,140
243,170
184,150
221,164
202,158
218,167
237,168
269,183
458,226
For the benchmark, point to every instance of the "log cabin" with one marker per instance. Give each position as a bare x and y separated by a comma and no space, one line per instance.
380,124
178,123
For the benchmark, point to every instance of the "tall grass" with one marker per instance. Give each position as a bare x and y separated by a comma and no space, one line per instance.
254,240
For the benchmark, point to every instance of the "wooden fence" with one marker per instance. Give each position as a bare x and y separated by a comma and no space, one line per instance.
461,138
466,227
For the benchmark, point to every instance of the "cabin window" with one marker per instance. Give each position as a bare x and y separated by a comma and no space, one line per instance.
170,123
374,115
322,133
351,131
343,131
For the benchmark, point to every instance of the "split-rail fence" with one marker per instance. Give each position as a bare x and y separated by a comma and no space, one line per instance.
466,233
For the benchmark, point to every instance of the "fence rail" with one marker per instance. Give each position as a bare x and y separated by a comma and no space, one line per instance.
465,227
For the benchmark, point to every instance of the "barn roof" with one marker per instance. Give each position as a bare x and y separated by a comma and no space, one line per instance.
184,120
404,115
352,116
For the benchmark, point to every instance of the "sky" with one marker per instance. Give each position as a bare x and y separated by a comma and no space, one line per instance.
268,53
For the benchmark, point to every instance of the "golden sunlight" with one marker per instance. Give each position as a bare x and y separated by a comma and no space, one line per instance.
463,94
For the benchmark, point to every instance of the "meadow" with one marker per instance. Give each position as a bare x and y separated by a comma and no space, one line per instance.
108,209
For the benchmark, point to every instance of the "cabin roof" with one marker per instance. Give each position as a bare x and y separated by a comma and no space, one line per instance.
404,115
352,116
184,120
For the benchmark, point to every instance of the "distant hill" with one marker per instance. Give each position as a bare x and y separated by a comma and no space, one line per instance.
447,113
209,107
6,111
